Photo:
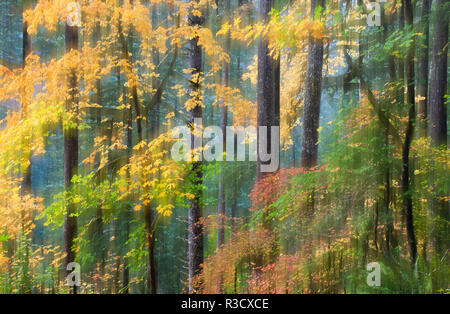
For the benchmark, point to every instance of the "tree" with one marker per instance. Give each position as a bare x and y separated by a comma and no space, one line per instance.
438,113
71,150
313,91
311,107
410,102
438,76
223,126
195,228
422,75
268,114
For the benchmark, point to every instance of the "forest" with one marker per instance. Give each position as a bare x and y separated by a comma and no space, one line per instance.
224,147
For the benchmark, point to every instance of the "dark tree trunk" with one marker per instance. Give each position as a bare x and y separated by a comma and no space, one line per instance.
438,116
151,274
128,121
70,152
410,97
99,245
26,49
195,228
311,107
389,221
313,90
422,75
268,90
438,76
148,215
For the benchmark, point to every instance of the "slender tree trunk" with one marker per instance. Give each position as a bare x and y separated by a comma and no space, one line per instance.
26,49
438,76
99,244
389,220
401,22
410,97
267,89
438,116
128,121
151,274
195,228
311,108
422,75
313,90
70,153
148,215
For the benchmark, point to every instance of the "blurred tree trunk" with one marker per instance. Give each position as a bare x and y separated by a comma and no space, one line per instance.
311,108
195,228
410,100
71,152
438,118
313,90
438,77
422,75
223,126
267,88
101,175
128,121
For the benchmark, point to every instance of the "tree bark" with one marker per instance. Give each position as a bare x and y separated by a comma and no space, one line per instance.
313,90
438,116
422,75
410,97
267,88
438,77
195,228
70,153
223,126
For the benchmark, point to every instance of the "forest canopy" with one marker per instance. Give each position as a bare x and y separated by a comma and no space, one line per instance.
226,146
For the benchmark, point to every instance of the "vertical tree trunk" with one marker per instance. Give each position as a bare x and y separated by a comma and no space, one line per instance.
267,90
70,152
195,228
99,246
128,121
422,75
151,274
313,90
410,97
223,126
311,108
388,23
438,113
438,76
148,215
26,49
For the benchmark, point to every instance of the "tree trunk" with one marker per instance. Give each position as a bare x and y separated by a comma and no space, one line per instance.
267,90
410,97
438,115
70,153
311,108
438,77
195,228
99,245
128,121
422,75
313,90
26,49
